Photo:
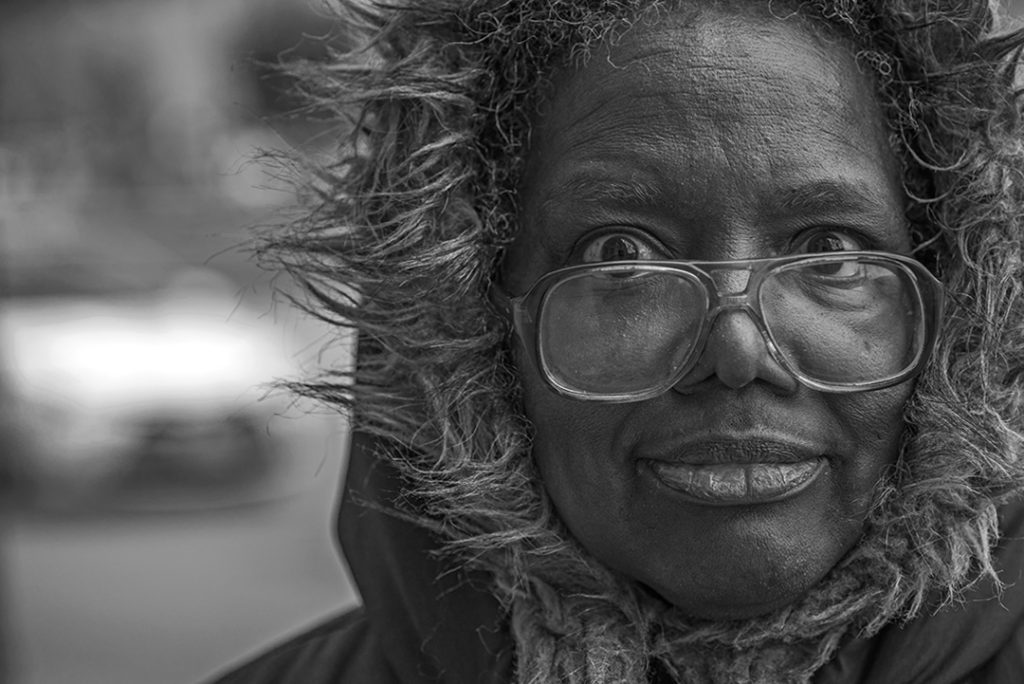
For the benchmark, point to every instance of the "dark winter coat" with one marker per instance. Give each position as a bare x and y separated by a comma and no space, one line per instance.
426,620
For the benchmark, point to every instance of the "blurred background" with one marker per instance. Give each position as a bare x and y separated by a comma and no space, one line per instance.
163,511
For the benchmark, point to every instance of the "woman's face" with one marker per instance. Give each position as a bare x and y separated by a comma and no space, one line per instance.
725,137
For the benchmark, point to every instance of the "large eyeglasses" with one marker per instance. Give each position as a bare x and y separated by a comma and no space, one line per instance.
630,330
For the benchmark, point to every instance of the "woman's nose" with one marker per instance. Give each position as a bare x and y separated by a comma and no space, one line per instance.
736,354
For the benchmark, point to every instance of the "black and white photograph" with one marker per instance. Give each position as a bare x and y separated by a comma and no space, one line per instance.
511,341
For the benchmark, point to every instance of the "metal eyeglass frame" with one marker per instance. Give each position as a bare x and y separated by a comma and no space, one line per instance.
525,310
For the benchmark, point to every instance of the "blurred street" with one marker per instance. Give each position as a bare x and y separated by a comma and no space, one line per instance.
167,519
167,597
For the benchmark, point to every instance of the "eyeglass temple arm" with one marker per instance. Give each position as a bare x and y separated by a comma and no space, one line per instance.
522,321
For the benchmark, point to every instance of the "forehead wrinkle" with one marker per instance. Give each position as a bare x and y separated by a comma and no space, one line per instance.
593,123
642,57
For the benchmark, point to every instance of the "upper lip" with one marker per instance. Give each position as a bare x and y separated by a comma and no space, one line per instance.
725,450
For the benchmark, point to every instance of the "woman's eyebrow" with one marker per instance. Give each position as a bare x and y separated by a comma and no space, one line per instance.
830,195
591,190
815,197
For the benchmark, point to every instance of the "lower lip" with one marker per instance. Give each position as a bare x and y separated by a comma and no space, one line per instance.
737,484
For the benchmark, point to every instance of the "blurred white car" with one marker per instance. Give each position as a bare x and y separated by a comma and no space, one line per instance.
168,386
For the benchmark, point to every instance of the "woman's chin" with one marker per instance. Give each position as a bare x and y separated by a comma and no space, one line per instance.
740,599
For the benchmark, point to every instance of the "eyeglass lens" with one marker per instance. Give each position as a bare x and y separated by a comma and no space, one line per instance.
840,322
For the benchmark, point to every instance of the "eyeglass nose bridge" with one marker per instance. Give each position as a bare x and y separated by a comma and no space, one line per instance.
729,280
741,302
731,287
736,302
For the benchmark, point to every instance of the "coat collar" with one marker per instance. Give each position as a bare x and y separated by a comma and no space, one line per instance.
951,644
436,621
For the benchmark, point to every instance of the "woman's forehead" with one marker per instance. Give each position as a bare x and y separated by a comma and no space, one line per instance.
722,64
713,87
697,118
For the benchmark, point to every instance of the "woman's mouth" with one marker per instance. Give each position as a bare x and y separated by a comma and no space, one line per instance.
738,473
740,483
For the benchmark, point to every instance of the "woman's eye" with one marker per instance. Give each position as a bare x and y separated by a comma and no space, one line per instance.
617,247
830,241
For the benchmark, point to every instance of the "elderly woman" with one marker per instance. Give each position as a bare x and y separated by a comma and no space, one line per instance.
690,343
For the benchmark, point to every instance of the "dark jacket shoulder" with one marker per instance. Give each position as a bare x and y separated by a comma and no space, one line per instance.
426,619
342,650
